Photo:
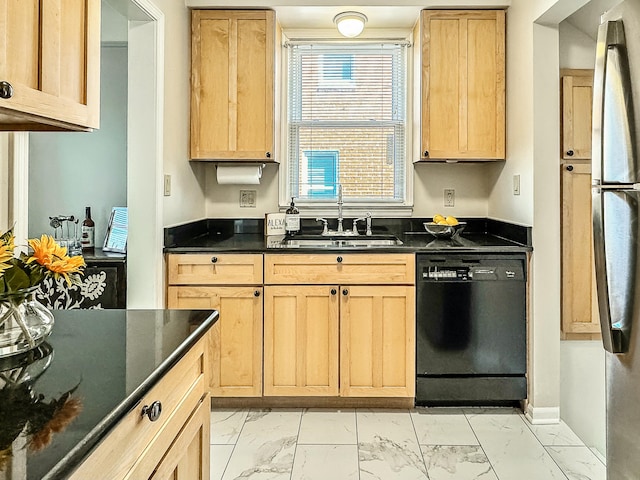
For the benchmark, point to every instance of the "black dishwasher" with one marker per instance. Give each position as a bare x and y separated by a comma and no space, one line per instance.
470,329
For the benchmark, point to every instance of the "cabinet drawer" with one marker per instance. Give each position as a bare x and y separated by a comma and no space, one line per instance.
179,392
352,268
214,269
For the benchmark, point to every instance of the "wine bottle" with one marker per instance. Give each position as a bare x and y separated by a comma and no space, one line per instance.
88,231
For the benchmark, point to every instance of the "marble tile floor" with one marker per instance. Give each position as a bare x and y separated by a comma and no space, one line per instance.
376,444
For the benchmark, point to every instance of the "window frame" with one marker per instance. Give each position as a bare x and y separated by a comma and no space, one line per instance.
402,207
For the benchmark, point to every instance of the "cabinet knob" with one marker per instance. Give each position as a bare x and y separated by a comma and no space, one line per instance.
333,291
268,154
152,411
339,259
570,168
569,153
345,292
425,153
6,90
256,293
214,259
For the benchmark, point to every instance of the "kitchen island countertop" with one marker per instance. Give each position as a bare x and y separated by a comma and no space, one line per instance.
92,370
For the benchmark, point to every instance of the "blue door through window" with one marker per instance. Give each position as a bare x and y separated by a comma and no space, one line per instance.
322,173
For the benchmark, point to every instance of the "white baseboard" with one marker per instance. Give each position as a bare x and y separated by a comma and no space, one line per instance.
542,415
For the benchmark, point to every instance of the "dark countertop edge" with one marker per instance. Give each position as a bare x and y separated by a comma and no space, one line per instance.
93,439
397,249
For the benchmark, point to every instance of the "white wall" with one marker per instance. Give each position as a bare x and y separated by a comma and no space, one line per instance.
68,171
187,200
582,382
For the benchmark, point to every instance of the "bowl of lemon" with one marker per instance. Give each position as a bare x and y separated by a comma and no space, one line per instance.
444,227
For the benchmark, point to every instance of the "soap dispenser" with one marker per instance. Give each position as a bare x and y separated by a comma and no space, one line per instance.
292,219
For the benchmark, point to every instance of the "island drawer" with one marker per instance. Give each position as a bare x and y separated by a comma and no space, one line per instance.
179,392
351,268
214,269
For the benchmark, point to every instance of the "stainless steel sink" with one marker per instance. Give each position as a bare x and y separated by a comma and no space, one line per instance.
344,242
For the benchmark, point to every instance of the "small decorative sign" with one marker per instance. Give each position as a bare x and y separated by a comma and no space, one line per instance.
274,224
117,231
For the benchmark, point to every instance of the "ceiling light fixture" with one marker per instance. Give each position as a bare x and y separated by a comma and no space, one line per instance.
350,24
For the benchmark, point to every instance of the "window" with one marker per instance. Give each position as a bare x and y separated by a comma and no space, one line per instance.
347,123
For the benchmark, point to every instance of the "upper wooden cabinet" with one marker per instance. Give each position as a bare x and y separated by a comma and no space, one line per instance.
462,84
577,99
233,59
49,64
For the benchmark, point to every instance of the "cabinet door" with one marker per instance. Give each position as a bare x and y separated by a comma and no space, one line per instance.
232,89
377,341
463,84
50,54
189,455
580,318
301,340
577,95
236,346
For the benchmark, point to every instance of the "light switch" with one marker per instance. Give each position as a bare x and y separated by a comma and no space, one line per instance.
516,184
248,198
167,185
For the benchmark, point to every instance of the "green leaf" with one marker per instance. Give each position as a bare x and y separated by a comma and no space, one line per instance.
15,278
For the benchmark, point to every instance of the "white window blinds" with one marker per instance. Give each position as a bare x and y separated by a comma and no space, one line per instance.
347,122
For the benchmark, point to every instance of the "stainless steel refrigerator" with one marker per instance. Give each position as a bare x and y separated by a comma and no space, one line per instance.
616,211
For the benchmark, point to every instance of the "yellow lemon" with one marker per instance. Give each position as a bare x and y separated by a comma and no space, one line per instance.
442,222
451,220
438,218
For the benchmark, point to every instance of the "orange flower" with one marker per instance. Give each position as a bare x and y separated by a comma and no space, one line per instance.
6,251
53,257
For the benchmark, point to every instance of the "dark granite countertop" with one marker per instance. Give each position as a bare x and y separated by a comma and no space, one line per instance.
246,236
91,371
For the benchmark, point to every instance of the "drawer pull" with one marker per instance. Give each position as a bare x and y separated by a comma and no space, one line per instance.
333,291
339,259
256,293
214,259
345,292
152,411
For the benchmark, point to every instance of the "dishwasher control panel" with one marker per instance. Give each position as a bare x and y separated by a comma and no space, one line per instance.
475,271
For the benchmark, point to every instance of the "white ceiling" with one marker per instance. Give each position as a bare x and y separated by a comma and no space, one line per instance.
587,18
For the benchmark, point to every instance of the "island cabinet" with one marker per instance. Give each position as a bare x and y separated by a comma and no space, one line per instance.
231,284
339,325
50,65
233,96
462,84
172,442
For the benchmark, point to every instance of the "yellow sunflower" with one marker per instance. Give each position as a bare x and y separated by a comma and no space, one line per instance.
53,257
6,251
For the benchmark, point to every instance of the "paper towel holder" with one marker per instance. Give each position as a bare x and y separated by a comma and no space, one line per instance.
236,173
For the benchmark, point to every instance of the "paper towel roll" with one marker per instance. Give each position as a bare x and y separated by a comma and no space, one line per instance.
238,174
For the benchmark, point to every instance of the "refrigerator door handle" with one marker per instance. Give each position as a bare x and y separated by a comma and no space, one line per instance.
610,36
612,337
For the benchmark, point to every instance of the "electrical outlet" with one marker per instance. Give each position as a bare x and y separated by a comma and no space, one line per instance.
449,197
167,185
516,184
248,198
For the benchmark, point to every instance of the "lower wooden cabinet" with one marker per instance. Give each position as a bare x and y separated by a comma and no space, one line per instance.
580,318
377,341
352,341
176,444
301,340
236,345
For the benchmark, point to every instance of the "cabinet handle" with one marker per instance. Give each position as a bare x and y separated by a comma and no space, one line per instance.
425,153
214,259
569,153
345,292
333,291
256,293
570,168
152,411
339,259
6,90
268,154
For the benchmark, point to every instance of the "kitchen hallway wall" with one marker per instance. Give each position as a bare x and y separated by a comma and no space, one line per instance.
69,171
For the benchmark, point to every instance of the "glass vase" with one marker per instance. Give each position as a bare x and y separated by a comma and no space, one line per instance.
24,322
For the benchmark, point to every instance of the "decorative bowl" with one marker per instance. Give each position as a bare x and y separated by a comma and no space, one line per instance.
444,231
